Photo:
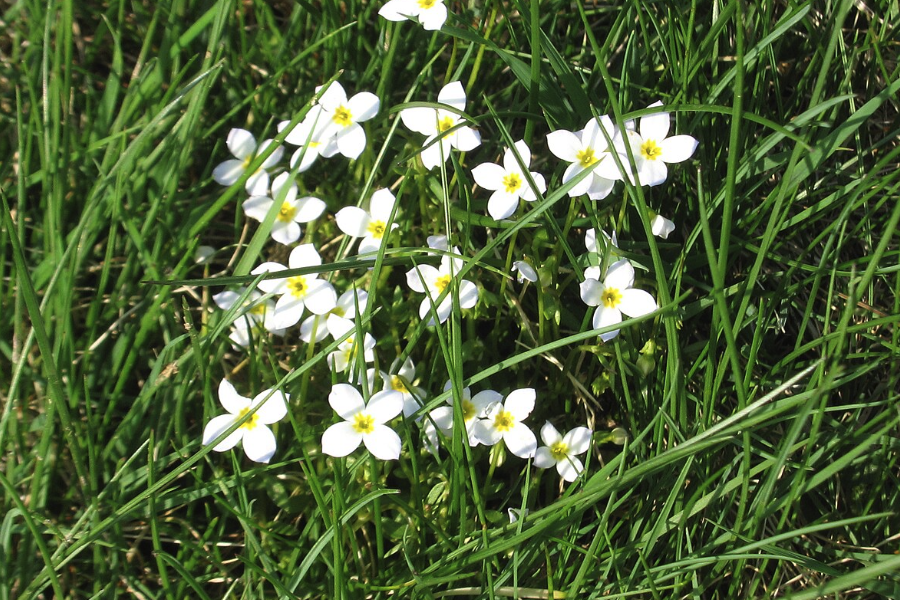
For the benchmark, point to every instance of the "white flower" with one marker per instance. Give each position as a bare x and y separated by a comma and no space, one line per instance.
254,320
609,244
343,117
585,149
311,136
298,291
661,226
243,333
371,226
433,281
258,440
286,228
242,145
508,182
435,122
614,296
400,379
314,328
345,355
504,421
473,409
363,423
651,149
431,13
562,450
525,271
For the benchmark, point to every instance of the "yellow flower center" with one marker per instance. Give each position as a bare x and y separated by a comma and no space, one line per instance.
314,144
342,116
426,4
512,182
259,309
376,229
250,425
650,150
611,297
468,411
287,212
445,123
559,451
363,423
586,157
504,421
398,384
297,286
441,283
337,310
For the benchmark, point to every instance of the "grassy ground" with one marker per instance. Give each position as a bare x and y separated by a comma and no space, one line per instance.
760,401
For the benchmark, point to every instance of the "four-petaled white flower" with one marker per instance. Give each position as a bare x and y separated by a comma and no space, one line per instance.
242,146
651,149
293,210
433,281
509,182
503,421
614,296
258,440
525,271
253,321
363,423
431,13
400,379
562,450
436,122
311,136
371,226
473,409
298,291
343,116
345,355
586,150
661,226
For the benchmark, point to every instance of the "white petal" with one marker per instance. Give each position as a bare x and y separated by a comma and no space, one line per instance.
418,277
346,401
509,157
578,440
321,297
231,401
272,406
332,97
677,148
502,205
340,439
363,106
652,172
467,139
385,405
605,317
351,141
543,459
525,271
259,444
486,433
661,226
382,204
454,95
564,144
228,172
600,187
396,10
655,126
549,434
241,143
274,158
569,468
273,286
288,311
489,176
620,275
383,443
637,303
258,183
580,188
313,329
521,441
520,403
468,294
529,193
217,426
257,207
484,399
309,208
304,255
285,233
420,119
433,18
591,291
353,221
435,154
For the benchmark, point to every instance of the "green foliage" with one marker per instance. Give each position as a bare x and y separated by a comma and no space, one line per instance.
760,402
